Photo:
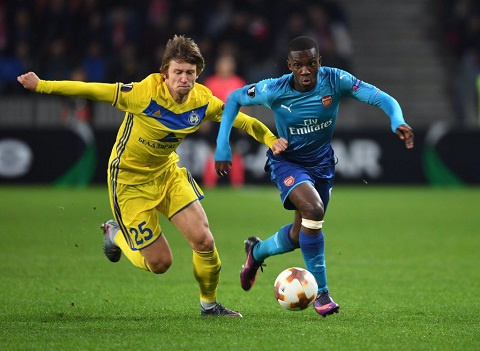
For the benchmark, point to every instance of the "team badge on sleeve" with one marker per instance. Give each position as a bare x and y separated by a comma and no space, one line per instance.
356,85
126,87
251,91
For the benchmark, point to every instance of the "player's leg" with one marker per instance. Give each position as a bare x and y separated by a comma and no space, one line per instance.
257,251
310,237
187,214
285,240
136,230
285,176
311,203
158,255
193,224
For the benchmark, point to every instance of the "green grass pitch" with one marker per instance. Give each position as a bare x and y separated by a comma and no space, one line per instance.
403,263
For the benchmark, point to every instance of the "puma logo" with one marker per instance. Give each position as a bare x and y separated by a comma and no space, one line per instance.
287,108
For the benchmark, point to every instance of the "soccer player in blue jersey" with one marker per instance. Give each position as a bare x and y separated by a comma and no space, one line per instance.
305,106
143,176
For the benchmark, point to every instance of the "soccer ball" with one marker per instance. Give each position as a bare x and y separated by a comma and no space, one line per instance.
295,289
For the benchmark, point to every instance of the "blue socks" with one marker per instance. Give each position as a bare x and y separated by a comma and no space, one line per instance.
313,251
278,243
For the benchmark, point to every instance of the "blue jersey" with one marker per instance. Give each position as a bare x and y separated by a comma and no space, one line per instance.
305,119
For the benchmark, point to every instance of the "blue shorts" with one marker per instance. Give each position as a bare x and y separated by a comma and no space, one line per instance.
287,175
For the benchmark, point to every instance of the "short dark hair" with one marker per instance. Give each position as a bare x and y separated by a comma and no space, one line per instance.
302,43
181,48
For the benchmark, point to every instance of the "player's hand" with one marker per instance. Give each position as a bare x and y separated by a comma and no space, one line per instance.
29,81
405,133
279,146
222,167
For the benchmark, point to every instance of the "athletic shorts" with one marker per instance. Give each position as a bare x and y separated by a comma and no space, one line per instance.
136,207
287,175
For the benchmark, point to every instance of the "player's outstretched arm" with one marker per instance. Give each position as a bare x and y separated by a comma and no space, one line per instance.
405,132
94,91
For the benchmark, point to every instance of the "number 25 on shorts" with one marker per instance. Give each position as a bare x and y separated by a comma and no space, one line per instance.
141,233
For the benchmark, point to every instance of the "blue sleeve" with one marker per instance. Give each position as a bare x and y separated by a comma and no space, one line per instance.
391,108
223,151
363,91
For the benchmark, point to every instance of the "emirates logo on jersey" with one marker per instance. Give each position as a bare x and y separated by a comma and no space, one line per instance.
327,101
289,181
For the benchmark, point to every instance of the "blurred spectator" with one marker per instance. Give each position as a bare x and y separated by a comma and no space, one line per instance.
460,20
185,23
295,26
122,28
218,17
225,80
23,27
237,32
157,31
3,27
127,66
222,83
118,28
332,36
57,65
93,29
11,66
94,63
57,26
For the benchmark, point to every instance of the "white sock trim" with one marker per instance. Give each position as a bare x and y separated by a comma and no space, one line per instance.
208,305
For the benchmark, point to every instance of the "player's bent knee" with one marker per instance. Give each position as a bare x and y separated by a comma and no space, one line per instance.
314,211
159,267
311,224
204,244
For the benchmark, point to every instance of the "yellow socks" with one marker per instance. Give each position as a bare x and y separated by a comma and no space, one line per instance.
206,269
134,256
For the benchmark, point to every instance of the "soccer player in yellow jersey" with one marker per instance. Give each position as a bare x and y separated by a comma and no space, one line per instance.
143,176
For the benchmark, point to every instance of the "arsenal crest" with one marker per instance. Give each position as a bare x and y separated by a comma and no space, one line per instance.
289,181
327,101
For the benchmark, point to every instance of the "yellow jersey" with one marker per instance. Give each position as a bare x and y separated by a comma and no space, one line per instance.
154,124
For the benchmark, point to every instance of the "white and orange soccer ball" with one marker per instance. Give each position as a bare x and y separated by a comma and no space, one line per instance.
295,289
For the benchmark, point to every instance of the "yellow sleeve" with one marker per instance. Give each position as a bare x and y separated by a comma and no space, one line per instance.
105,92
255,128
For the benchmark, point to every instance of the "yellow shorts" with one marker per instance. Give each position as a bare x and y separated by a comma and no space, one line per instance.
136,207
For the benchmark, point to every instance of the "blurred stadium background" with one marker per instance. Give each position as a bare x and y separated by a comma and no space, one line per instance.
425,53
